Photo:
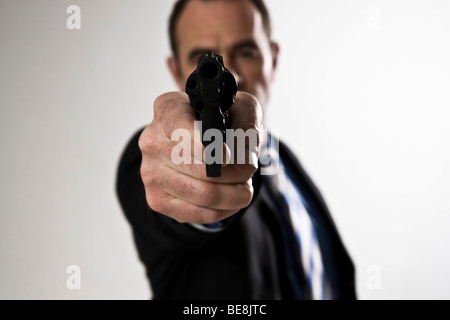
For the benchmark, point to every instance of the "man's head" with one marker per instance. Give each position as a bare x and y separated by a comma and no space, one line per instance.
238,30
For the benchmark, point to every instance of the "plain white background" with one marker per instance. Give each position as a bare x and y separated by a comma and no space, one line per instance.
362,96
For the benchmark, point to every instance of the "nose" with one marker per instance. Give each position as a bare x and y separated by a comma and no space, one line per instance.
230,65
237,76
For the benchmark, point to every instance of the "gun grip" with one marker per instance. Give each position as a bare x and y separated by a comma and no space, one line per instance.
213,170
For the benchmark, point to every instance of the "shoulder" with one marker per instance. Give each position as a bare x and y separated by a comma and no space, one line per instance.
128,181
292,162
131,153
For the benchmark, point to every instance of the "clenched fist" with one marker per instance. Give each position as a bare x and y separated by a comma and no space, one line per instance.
182,191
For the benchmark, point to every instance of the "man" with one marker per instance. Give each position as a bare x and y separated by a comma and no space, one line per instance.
243,235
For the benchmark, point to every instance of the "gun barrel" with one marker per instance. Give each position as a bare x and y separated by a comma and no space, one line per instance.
212,91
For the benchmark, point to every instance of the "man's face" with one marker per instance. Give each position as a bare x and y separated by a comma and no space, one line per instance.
232,29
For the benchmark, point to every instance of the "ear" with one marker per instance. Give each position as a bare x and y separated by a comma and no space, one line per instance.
175,70
275,47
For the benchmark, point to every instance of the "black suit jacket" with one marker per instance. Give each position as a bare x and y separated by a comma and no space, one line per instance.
247,260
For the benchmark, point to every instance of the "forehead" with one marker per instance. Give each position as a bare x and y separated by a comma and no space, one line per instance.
217,23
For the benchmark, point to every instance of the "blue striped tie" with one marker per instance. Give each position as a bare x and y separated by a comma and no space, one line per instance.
306,254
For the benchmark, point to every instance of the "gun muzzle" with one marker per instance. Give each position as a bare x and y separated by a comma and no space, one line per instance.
212,91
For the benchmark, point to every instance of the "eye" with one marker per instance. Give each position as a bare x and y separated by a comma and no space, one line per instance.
248,54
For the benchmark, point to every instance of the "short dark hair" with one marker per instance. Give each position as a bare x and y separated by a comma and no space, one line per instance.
178,9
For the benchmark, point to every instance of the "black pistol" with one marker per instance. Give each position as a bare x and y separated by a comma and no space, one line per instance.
212,91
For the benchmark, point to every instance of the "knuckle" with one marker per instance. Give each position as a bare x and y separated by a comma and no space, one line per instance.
247,193
180,218
146,140
199,215
209,195
147,174
151,144
155,202
251,170
246,97
246,172
160,102
189,190
194,216
165,103
183,188
151,174
214,196
160,107
250,100
219,215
